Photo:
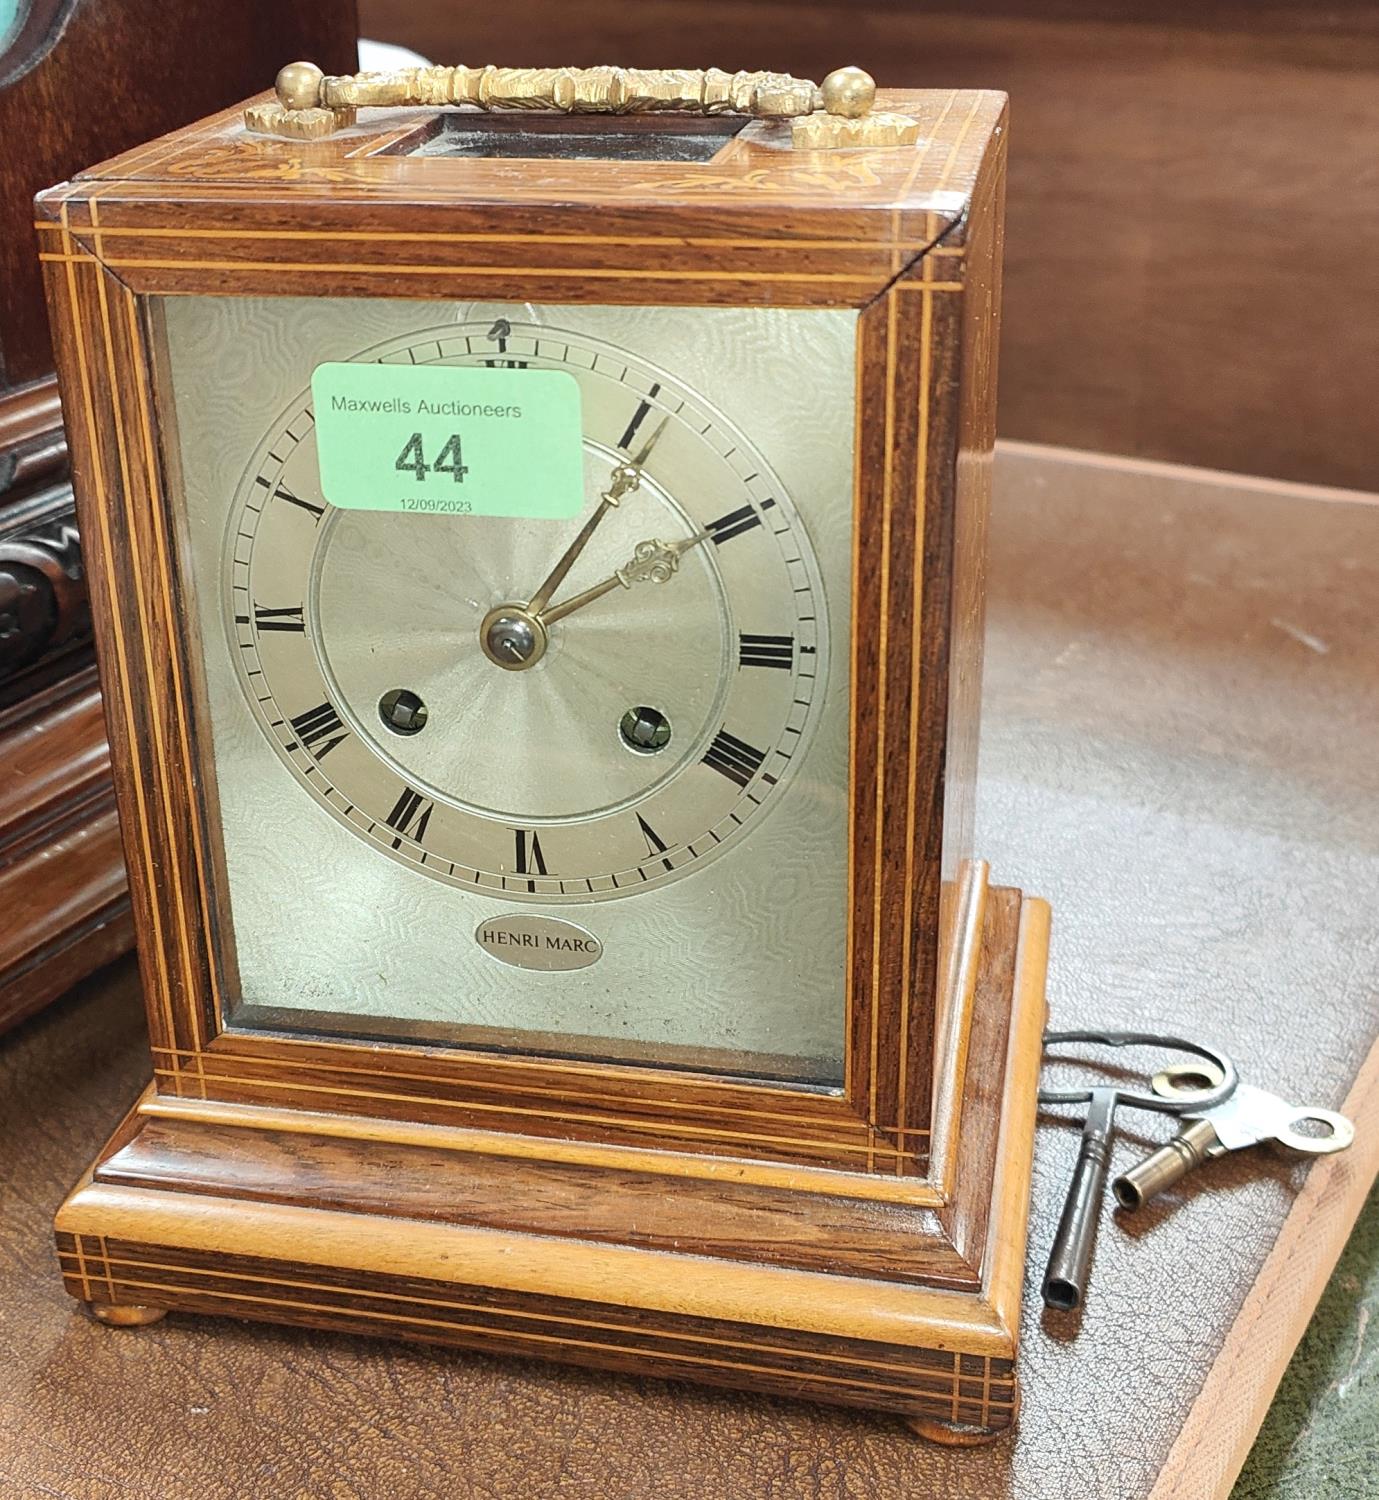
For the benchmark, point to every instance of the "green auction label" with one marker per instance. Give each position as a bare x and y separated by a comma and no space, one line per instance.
450,439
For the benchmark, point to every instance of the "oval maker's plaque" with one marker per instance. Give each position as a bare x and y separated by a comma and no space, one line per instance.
529,941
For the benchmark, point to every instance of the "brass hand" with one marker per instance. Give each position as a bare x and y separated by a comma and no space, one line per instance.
653,561
626,478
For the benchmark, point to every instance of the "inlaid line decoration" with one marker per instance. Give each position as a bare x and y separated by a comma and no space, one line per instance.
162,762
180,697
916,658
916,166
926,286
883,1361
391,268
121,676
947,1392
480,237
498,1083
821,1146
882,631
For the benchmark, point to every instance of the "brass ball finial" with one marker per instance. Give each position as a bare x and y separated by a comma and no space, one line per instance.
299,86
848,92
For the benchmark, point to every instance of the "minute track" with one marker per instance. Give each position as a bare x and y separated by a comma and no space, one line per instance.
705,479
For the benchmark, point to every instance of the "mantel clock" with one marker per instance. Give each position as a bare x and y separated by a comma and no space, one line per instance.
535,523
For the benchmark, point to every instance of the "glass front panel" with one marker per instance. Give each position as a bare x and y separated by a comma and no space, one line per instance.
465,797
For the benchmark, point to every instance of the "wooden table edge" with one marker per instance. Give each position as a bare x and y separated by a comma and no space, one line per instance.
1211,1447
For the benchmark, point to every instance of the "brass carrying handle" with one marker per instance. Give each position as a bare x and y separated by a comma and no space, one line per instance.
310,105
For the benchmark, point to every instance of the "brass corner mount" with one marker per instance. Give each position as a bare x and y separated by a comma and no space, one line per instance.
837,113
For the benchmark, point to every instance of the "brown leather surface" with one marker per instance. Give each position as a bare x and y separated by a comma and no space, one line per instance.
1178,752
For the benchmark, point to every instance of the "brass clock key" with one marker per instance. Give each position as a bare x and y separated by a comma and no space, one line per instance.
1250,1117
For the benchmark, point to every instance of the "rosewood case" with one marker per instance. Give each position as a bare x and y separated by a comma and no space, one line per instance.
863,1246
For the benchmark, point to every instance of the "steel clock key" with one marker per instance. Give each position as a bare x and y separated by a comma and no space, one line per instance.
1065,1278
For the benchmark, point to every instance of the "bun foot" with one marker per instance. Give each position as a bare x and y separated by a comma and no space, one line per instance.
953,1434
960,1434
126,1314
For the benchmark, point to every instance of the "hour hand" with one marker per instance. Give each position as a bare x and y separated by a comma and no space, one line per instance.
652,561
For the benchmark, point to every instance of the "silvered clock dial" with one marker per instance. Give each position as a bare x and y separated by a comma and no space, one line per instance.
545,711
572,784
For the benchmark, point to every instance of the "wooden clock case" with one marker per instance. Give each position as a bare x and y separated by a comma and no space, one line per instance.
862,1246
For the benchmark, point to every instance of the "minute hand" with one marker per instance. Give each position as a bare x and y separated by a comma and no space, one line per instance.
626,477
653,562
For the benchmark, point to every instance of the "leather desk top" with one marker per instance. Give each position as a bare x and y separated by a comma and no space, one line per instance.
1179,753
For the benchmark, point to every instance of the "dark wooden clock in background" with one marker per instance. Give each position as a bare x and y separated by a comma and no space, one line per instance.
80,79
